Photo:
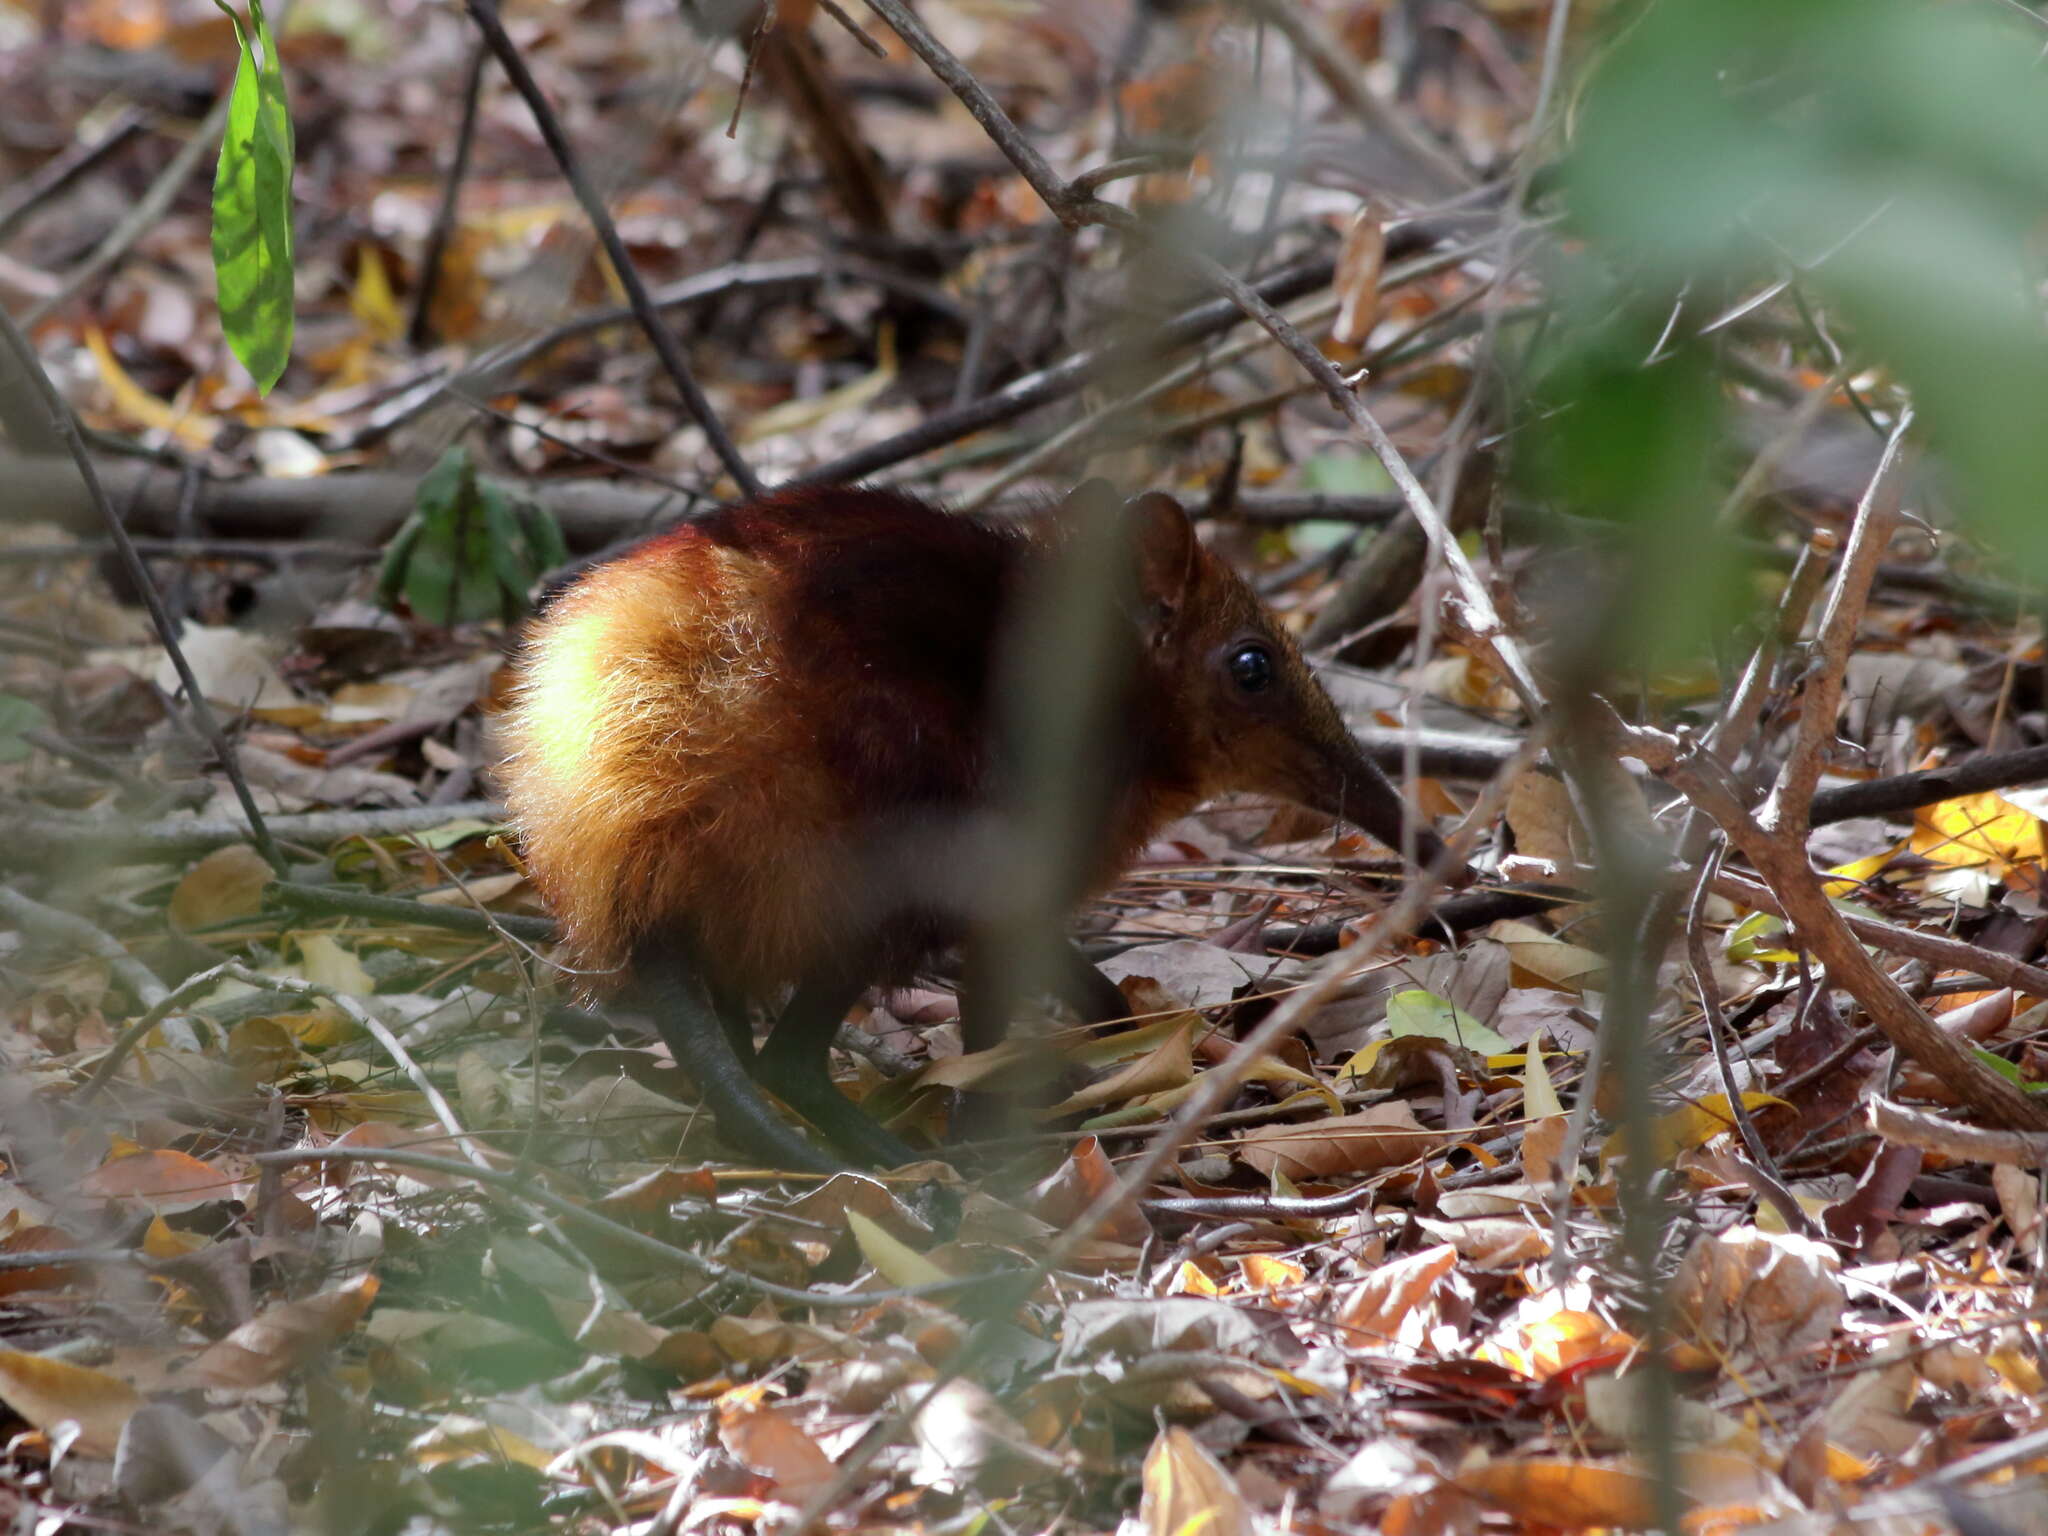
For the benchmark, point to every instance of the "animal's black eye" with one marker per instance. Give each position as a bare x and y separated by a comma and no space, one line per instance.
1251,668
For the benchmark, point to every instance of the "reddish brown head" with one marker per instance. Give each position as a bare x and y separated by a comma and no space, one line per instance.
1240,710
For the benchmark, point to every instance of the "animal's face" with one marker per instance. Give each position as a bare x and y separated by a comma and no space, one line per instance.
1241,709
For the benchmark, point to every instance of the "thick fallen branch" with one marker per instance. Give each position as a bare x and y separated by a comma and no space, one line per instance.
1802,898
41,840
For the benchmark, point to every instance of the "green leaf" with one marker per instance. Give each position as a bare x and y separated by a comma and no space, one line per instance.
471,550
252,206
1416,1012
18,716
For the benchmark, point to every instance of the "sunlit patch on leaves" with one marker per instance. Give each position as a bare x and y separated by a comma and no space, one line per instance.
471,550
252,206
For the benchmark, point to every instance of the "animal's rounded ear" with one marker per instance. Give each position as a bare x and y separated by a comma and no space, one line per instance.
1092,501
1163,538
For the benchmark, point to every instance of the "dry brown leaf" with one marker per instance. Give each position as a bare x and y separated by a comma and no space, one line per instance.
228,883
965,1439
1754,1297
1492,1242
1188,1492
1169,1065
1539,812
1358,278
271,1346
1570,1495
164,1179
1384,1136
1075,1185
42,1277
1380,1304
772,1443
49,1393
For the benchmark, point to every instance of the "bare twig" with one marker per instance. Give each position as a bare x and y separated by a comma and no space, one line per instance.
145,216
1769,1182
29,370
60,171
1346,81
1783,865
1786,813
67,928
520,1187
1935,948
485,14
419,329
1964,1143
32,840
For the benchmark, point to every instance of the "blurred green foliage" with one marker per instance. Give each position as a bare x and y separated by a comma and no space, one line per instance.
471,550
1889,158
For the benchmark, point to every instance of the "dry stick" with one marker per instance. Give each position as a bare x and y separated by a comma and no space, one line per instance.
1936,949
485,14
32,839
375,1028
1072,209
1475,605
1309,314
1966,1143
1787,813
1342,74
31,192
69,928
147,213
1729,736
1930,786
1210,1091
416,332
1770,1182
31,372
1799,890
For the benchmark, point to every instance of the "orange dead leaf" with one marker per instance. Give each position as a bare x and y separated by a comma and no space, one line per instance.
1188,1492
1385,1136
51,1393
271,1346
166,1180
1975,831
1571,1495
195,429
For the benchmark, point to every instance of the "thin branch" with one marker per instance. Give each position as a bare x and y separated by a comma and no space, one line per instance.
1770,1183
418,331
1937,949
485,14
1787,812
30,371
60,171
31,840
147,213
1783,865
68,928
1345,79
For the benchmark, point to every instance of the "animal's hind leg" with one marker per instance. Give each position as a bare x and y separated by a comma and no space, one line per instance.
701,1036
1078,984
1088,992
795,1064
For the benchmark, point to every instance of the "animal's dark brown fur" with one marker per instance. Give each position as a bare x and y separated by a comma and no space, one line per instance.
754,730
